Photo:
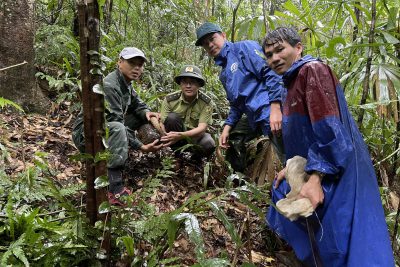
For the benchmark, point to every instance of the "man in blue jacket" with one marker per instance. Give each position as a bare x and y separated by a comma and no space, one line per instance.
252,89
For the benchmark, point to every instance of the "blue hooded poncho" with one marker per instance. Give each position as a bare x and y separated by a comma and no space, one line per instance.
349,226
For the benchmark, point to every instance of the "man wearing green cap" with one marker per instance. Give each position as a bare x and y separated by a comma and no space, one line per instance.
125,113
187,113
252,89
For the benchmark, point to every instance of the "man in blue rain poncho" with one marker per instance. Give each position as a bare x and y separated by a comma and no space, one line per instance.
252,88
350,228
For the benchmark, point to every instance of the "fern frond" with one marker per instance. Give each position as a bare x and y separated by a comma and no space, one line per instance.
15,249
5,102
19,254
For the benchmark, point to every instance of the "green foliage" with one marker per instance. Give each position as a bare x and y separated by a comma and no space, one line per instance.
55,44
167,168
39,226
159,230
165,31
5,102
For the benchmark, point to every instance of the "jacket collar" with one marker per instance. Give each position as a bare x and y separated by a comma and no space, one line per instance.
291,73
122,80
221,59
182,98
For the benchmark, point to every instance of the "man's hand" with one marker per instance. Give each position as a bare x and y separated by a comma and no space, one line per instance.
171,138
224,137
275,118
312,190
280,177
150,114
152,146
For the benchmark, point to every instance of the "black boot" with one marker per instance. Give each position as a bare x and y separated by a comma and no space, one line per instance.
115,180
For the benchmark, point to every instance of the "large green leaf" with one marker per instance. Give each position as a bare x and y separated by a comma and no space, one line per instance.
128,243
331,50
220,214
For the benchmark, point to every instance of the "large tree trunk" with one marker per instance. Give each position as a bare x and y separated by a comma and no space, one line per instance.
16,46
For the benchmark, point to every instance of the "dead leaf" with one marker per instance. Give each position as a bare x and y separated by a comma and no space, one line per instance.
182,243
61,176
257,257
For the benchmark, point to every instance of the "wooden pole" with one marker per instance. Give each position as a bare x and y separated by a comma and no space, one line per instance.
93,109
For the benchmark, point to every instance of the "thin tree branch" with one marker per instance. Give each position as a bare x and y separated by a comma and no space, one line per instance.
13,66
368,65
235,10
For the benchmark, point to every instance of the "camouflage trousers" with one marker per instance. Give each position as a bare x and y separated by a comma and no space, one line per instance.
239,136
118,139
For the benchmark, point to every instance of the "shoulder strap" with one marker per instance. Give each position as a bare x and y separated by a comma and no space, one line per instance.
173,96
204,97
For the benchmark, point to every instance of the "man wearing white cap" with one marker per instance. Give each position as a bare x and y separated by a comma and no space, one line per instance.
125,113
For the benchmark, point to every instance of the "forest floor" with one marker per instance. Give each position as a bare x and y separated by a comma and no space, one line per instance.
25,135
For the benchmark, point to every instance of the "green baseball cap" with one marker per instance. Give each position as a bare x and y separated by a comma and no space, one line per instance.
190,71
205,29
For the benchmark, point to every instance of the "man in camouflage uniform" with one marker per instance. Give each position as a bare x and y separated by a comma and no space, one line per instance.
125,113
187,113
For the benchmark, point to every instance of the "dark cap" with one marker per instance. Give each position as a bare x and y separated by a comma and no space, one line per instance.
190,71
131,52
205,29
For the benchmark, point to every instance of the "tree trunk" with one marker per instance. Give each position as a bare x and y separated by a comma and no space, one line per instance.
368,65
149,39
235,10
265,15
108,7
16,46
355,28
93,107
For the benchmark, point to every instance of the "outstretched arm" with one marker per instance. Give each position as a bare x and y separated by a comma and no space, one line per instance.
171,138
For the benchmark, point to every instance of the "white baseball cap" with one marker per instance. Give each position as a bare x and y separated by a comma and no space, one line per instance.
131,52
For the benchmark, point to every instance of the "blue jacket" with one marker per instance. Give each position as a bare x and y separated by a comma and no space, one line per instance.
249,83
350,225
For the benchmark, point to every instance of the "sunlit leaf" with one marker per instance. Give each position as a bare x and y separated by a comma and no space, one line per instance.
104,207
390,38
101,181
5,102
98,89
292,8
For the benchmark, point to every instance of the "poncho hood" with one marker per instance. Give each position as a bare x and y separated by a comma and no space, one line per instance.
294,69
